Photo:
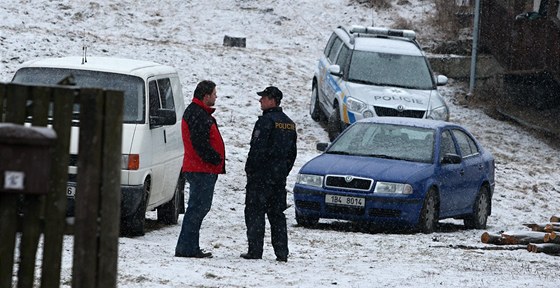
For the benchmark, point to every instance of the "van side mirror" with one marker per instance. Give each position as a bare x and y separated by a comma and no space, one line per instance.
163,117
451,159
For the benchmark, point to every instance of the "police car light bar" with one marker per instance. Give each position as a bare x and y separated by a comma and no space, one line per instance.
383,31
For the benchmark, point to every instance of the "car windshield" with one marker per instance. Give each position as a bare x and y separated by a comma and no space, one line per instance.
132,86
385,69
386,141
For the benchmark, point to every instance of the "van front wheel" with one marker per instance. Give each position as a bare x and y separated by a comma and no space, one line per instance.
168,213
133,225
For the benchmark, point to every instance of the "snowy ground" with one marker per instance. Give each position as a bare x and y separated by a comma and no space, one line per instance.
284,41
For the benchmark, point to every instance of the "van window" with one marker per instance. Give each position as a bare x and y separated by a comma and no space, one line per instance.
161,95
132,86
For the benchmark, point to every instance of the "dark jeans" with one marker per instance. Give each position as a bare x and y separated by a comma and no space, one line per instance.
201,192
266,198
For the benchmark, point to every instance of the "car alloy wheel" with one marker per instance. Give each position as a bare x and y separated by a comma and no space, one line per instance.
481,210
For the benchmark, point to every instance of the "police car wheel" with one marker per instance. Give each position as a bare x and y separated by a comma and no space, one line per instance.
333,125
314,109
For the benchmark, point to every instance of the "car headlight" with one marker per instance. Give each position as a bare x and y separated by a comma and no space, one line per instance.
355,105
392,188
310,180
368,114
439,113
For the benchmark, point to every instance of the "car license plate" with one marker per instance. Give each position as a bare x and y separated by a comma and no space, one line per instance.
70,191
345,200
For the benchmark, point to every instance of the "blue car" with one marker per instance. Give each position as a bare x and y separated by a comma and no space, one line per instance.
398,171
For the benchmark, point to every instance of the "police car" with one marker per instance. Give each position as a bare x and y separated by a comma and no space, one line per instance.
370,72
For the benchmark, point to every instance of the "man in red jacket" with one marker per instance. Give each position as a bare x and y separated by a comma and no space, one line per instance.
204,159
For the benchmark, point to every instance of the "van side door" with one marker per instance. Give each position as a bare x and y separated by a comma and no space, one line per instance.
162,123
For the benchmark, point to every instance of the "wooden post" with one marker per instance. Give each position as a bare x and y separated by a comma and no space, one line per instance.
33,204
87,197
55,206
110,190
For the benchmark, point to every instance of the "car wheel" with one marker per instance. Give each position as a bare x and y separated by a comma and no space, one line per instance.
168,213
306,221
314,109
333,125
481,210
133,225
429,215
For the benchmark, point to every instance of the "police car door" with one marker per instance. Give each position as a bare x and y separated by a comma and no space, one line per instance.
329,83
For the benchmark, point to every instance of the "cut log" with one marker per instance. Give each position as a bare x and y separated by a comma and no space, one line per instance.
523,237
555,218
551,238
548,248
544,227
553,226
491,238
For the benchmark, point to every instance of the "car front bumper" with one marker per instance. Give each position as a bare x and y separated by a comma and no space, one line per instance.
405,210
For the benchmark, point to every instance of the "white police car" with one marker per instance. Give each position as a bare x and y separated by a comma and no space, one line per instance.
371,71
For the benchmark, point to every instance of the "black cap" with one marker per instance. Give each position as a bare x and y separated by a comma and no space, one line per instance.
271,92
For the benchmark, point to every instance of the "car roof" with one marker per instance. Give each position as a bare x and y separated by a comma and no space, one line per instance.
138,68
386,45
379,43
407,121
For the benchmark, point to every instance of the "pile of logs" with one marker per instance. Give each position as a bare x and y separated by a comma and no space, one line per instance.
543,238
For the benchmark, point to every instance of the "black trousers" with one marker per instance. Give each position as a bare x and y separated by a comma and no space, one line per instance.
266,198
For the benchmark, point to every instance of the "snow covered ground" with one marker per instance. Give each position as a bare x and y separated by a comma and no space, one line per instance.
284,41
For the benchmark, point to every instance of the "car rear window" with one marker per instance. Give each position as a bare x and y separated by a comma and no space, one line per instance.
132,86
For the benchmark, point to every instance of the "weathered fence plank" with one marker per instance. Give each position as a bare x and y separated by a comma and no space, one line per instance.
87,196
33,204
110,190
55,206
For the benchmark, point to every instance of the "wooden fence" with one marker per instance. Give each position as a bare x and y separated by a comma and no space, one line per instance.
97,212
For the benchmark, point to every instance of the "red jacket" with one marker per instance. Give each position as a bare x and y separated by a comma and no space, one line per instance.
204,146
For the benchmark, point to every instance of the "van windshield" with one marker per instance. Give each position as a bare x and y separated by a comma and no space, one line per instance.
132,86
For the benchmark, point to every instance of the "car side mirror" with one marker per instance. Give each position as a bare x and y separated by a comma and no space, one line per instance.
163,117
441,80
322,146
335,70
451,159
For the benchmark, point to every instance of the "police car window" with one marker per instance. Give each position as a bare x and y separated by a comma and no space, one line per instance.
342,58
334,49
466,143
329,44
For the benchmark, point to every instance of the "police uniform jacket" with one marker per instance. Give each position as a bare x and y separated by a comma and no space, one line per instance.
273,147
204,146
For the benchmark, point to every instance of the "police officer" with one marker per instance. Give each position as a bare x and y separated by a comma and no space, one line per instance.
271,158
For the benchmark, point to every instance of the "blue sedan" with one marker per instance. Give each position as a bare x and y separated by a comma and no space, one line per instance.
398,171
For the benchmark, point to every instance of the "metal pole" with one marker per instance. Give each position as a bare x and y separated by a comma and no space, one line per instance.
474,47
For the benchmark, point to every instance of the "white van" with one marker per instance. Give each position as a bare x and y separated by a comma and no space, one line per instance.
152,147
